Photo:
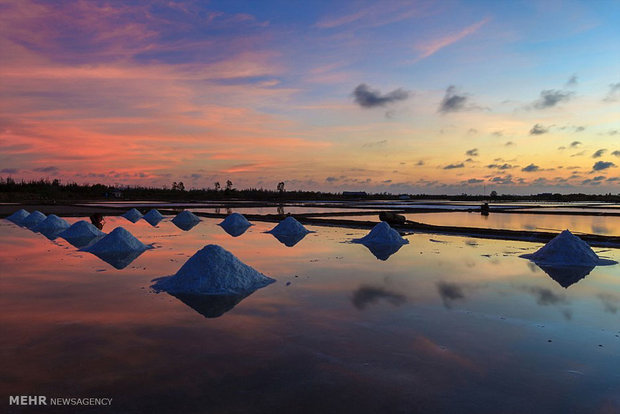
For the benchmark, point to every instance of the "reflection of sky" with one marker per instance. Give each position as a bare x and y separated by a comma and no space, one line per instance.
438,324
606,225
541,222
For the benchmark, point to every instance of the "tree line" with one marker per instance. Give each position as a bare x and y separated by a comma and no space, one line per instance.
44,190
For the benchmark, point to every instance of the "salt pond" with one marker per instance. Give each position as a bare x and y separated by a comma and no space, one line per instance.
608,226
445,324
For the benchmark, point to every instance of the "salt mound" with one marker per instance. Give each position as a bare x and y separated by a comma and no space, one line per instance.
153,217
119,248
213,271
51,224
33,219
185,220
81,233
18,217
235,220
566,249
118,241
235,224
133,215
382,233
289,227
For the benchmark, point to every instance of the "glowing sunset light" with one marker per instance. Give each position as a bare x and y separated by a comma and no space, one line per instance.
396,96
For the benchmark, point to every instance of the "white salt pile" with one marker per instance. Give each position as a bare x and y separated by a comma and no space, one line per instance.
119,248
213,271
153,217
133,215
18,217
81,233
33,219
235,224
382,234
185,220
289,227
51,224
235,220
118,241
566,249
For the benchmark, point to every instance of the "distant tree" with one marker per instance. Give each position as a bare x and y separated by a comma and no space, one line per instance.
56,182
281,187
493,194
217,186
229,185
181,186
175,187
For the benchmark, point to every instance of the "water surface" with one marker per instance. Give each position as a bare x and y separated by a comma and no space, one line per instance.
445,324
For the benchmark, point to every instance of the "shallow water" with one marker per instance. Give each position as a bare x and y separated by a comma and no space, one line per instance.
445,324
604,225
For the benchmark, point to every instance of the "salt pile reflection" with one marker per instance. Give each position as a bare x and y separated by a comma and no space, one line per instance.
382,251
567,275
210,306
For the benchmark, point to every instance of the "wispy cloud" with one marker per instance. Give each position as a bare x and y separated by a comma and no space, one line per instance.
374,15
332,22
430,47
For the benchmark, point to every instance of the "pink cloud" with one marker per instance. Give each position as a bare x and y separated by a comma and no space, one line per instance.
377,14
432,46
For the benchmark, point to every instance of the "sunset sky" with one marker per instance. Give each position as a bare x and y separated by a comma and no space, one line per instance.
397,96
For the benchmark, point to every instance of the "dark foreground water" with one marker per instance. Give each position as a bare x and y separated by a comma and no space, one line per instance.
444,325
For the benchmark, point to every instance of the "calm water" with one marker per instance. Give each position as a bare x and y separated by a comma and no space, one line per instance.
444,325
605,225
